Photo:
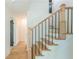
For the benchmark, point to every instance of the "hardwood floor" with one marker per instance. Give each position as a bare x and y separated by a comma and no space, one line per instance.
18,52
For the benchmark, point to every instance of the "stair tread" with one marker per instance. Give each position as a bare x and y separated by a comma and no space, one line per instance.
56,37
36,50
43,46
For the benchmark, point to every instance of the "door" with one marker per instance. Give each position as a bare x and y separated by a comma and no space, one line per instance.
11,33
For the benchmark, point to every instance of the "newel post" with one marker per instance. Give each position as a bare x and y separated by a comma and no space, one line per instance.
29,41
62,19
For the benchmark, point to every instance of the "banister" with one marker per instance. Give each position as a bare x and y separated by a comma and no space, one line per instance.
29,28
50,16
68,7
46,18
42,31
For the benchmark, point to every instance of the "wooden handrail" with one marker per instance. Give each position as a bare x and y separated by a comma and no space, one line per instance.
50,16
46,18
60,10
29,28
68,7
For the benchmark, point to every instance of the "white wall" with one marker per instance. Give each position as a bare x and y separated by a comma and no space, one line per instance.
7,32
37,11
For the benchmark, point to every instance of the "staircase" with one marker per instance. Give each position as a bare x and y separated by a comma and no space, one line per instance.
55,27
46,35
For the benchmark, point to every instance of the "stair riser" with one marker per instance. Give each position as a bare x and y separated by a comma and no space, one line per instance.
42,47
36,51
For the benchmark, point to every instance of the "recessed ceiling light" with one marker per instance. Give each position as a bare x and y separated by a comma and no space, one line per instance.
13,0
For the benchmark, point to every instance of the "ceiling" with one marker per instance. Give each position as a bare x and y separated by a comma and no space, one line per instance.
17,7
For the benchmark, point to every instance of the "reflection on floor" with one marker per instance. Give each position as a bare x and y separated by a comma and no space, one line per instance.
62,51
18,52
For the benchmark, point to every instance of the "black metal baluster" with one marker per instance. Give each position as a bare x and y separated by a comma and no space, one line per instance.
55,24
39,36
48,30
32,45
52,30
71,20
45,34
65,27
42,34
58,23
35,41
68,20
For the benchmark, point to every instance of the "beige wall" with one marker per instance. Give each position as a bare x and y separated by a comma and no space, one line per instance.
21,28
24,33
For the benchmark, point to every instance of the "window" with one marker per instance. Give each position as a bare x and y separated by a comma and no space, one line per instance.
50,6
